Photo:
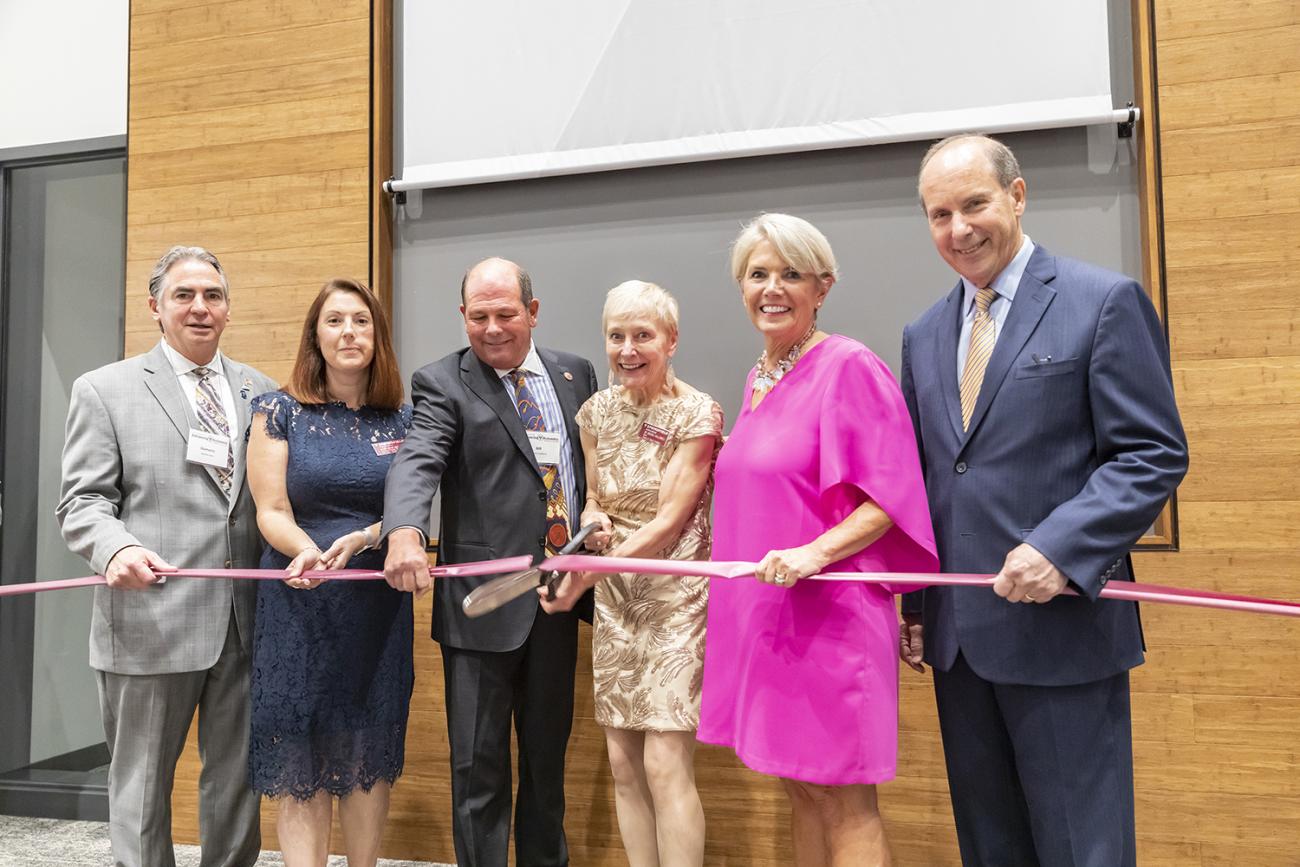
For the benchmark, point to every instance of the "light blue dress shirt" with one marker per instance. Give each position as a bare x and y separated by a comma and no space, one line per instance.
539,383
1005,285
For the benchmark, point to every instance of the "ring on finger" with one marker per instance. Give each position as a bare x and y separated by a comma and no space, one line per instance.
1029,598
779,577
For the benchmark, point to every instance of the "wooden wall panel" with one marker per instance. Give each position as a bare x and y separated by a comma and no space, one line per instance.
1229,122
262,128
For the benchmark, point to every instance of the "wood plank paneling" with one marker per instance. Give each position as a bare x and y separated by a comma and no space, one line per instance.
1253,99
243,89
1264,50
293,155
1248,286
230,21
1181,19
310,45
1242,382
1224,195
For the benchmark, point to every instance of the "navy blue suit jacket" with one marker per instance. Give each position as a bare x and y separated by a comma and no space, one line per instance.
1074,446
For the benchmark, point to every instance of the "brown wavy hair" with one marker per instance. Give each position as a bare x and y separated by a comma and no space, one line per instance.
307,382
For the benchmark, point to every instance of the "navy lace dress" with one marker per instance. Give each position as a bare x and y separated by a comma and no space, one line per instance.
332,669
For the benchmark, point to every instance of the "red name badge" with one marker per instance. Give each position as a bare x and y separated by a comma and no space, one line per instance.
386,448
653,434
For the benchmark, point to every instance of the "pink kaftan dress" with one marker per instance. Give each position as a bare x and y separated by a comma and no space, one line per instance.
802,682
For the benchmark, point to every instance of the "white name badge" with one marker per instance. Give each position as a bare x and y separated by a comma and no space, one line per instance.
208,449
546,446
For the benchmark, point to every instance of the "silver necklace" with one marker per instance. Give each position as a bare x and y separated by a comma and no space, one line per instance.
766,380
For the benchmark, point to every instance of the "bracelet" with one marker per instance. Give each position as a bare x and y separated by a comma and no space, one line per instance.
309,548
366,544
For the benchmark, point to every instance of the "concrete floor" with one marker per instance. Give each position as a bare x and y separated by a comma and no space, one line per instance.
64,843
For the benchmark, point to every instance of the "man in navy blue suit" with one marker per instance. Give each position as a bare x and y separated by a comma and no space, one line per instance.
1041,395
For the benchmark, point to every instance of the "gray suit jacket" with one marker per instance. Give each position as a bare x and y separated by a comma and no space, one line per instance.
466,436
126,482
1074,446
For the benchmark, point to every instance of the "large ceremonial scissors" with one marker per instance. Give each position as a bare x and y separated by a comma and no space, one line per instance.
507,588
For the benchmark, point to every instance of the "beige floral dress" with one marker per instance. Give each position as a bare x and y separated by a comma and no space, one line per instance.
648,647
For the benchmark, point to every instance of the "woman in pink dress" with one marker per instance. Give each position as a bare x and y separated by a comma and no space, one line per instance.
820,473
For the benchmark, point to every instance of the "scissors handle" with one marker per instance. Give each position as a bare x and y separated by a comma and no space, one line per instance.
553,580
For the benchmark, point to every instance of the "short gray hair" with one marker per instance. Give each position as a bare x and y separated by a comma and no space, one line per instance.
798,242
637,297
1006,168
182,253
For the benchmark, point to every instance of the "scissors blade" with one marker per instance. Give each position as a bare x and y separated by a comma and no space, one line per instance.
500,591
483,567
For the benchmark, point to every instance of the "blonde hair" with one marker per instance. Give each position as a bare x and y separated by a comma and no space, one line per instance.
798,242
637,297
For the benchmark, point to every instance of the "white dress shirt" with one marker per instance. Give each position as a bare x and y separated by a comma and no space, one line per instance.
189,382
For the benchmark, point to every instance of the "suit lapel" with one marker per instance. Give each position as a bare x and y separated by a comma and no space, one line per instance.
484,382
949,334
241,390
562,382
1033,296
161,381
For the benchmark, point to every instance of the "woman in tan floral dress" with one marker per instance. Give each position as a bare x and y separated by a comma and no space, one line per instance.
649,442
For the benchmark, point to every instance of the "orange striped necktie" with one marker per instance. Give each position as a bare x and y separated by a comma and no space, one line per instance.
983,334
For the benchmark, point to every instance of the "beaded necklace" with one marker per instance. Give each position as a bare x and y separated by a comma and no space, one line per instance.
766,380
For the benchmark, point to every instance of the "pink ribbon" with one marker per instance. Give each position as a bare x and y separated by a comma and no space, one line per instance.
461,570
1126,590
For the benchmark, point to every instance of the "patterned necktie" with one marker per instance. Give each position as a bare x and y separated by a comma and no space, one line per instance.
212,418
557,507
983,335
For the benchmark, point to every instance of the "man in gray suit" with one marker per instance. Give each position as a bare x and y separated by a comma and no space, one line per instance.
1040,391
494,427
153,478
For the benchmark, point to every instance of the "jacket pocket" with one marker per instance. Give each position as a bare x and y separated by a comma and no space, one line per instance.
463,552
1036,369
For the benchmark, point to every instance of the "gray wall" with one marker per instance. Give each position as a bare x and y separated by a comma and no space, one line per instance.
581,235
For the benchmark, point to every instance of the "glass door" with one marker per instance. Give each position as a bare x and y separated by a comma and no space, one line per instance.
61,277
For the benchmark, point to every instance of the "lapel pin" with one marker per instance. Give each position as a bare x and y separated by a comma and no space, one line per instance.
568,376
245,388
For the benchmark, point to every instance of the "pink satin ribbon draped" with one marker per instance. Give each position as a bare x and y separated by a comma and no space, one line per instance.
485,567
1124,590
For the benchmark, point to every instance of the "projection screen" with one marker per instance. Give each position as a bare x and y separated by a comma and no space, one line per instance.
500,90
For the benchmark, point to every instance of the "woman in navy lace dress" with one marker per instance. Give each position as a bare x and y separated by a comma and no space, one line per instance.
332,670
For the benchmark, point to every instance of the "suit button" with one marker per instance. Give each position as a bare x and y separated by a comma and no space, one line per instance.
541,495
227,564
961,467
541,541
232,520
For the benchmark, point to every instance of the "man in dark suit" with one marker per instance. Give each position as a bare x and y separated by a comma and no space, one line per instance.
494,427
1040,392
